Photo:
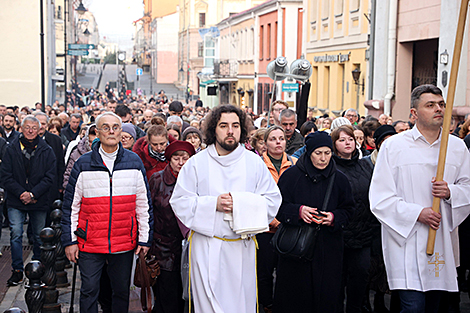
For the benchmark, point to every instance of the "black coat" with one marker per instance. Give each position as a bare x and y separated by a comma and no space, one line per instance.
55,143
40,181
13,135
67,134
3,147
313,286
358,233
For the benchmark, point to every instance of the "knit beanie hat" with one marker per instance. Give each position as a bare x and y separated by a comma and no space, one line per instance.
337,122
191,130
382,132
130,129
316,140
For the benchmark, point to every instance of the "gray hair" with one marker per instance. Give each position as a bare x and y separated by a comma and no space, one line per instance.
287,113
30,118
174,119
39,113
98,118
351,110
76,115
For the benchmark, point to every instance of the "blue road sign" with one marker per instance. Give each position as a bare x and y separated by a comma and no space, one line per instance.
290,87
139,71
80,46
77,52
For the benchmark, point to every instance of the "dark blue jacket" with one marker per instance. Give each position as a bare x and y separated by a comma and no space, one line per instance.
41,179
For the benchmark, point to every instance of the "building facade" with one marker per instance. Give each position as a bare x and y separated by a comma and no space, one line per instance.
197,37
20,56
419,37
336,44
248,42
165,48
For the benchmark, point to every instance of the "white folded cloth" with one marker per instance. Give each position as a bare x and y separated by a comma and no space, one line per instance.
250,214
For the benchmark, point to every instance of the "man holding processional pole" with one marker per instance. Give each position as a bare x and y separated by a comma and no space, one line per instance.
401,196
420,193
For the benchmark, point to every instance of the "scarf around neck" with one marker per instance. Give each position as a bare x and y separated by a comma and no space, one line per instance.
156,155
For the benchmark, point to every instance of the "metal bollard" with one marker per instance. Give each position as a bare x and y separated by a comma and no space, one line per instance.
35,293
56,216
48,258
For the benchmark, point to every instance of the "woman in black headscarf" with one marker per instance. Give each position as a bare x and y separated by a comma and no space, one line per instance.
313,286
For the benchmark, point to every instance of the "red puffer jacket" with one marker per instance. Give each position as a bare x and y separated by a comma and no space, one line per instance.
106,212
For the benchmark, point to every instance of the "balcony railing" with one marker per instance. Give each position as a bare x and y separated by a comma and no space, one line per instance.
225,68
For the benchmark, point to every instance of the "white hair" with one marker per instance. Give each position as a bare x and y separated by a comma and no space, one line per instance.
39,113
30,118
174,119
97,121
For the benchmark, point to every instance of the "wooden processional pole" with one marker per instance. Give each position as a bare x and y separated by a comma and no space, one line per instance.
448,114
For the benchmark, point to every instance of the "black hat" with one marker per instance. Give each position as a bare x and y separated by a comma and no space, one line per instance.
382,132
316,140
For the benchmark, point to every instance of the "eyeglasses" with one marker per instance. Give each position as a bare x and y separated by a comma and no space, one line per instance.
106,128
125,138
351,115
27,128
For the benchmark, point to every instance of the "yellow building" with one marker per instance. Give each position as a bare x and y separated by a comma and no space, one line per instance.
336,37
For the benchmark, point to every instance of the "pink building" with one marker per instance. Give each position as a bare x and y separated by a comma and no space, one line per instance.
414,42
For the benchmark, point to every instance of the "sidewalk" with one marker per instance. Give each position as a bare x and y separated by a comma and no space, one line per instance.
15,296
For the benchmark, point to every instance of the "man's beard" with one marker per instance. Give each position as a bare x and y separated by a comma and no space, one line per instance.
226,146
8,129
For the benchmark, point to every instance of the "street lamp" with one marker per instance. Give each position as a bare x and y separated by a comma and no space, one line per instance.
81,9
41,35
356,74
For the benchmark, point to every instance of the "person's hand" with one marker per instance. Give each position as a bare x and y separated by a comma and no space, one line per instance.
328,220
440,189
72,253
430,218
225,203
306,214
25,197
274,224
143,248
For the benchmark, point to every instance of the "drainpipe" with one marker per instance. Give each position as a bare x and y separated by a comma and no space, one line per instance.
391,60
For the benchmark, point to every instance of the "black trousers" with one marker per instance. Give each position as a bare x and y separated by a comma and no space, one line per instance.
266,264
168,291
119,271
356,264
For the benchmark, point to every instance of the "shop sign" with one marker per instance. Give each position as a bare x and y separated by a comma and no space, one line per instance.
332,58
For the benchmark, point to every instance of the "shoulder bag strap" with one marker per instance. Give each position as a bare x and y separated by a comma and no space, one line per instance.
328,192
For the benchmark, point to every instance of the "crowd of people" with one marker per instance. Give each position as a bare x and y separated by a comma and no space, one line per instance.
157,176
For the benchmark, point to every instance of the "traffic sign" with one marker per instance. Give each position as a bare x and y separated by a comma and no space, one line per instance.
77,52
139,71
290,87
80,46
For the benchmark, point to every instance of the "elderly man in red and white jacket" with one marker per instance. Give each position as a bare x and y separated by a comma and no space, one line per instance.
107,215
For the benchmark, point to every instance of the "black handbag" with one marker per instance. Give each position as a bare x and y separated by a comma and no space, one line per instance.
298,241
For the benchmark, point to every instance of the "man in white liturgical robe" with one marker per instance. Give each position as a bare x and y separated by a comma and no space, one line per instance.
401,195
211,186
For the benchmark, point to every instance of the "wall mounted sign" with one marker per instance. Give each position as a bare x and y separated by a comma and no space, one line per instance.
332,58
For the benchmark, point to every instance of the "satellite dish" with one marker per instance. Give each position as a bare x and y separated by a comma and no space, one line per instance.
301,69
277,68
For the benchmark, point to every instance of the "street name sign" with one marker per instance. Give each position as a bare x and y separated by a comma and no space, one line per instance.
290,87
80,46
77,52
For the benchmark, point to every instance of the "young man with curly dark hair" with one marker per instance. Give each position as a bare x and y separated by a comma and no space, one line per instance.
225,195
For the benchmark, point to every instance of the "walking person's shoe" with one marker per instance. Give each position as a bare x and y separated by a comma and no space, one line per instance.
16,278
